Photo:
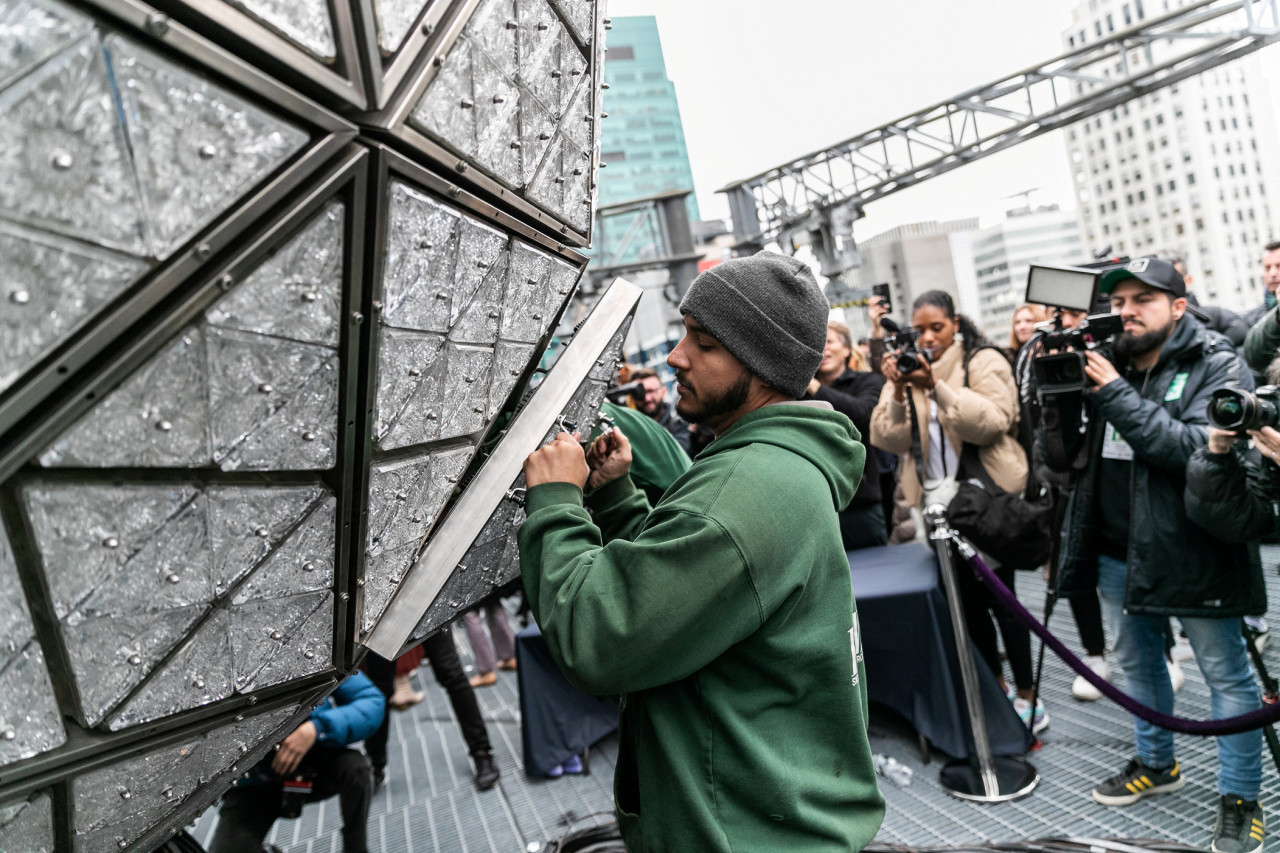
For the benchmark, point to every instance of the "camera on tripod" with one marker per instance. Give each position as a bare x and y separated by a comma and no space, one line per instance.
1061,369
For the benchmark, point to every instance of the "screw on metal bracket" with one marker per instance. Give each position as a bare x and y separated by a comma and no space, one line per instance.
158,25
427,29
203,251
357,317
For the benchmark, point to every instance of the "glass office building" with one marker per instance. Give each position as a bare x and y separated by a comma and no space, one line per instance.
642,141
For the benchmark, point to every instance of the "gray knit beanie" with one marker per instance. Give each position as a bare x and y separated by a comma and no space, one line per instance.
768,311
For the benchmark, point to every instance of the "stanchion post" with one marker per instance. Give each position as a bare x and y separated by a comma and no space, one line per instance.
997,778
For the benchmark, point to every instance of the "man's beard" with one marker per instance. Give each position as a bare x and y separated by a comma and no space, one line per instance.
1129,345
710,408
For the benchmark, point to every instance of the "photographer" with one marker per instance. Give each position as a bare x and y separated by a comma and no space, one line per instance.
314,757
961,393
1126,530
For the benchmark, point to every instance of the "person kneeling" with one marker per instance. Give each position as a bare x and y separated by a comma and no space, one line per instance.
311,764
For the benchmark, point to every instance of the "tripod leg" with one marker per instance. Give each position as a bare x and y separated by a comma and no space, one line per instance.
1269,695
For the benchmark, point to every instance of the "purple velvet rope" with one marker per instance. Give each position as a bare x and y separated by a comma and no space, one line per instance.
1264,716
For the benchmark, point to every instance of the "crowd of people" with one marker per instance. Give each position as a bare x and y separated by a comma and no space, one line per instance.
818,442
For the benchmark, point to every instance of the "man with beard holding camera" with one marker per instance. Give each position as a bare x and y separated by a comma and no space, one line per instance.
723,614
1126,531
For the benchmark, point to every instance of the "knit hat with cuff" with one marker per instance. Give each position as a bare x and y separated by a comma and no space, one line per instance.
768,311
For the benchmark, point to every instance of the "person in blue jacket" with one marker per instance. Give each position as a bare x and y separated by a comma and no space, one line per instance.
317,752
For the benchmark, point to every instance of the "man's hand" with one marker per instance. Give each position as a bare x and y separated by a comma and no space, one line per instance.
609,458
1220,440
293,748
561,461
1267,440
875,310
1101,371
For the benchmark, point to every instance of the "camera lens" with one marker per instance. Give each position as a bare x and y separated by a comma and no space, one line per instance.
1230,409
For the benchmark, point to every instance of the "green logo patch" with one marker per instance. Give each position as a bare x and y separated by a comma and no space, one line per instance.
1175,387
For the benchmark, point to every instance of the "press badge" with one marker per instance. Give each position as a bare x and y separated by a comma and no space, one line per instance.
1175,388
1114,446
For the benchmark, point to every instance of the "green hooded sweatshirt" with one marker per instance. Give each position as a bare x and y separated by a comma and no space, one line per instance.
726,619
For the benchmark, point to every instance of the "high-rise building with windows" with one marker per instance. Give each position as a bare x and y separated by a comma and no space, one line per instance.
1193,167
913,259
1004,252
642,142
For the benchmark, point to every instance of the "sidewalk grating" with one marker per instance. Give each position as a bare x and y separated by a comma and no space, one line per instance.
430,804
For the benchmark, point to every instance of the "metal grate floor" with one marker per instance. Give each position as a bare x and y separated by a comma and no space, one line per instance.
430,804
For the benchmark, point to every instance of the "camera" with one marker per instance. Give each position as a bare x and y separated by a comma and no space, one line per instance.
902,343
1236,410
1061,369
618,394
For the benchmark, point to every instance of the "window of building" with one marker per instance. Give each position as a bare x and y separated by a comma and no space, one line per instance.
621,51
613,156
1191,177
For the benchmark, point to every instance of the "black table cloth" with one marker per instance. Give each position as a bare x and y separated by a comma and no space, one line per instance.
556,719
909,650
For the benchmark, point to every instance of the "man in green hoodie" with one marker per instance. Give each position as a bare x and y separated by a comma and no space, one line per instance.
724,614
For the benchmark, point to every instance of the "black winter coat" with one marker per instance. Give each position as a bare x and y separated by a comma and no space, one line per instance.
855,394
1232,495
1174,567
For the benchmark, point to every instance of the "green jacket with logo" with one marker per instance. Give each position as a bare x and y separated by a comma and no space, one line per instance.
725,617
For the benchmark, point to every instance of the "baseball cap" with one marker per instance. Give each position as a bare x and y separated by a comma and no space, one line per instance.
1150,271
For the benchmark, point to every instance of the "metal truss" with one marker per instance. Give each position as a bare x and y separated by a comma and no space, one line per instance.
660,222
825,191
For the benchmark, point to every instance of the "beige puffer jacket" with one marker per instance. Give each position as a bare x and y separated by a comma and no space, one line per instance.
984,414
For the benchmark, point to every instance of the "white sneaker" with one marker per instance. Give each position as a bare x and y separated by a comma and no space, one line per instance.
1176,676
1081,688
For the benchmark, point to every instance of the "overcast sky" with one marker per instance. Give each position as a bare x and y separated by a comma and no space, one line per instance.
762,82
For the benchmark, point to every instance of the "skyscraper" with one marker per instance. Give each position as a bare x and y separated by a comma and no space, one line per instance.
1193,167
642,143
1002,254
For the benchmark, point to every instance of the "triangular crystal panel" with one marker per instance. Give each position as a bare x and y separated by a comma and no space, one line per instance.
32,31
248,523
86,534
27,825
110,656
202,671
260,630
306,23
252,378
197,147
64,161
297,292
301,563
394,18
30,722
158,418
52,286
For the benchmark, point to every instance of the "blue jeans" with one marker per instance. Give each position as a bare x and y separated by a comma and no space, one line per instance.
1138,643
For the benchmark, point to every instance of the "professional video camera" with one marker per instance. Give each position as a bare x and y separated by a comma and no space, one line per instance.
902,343
1060,370
1236,410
